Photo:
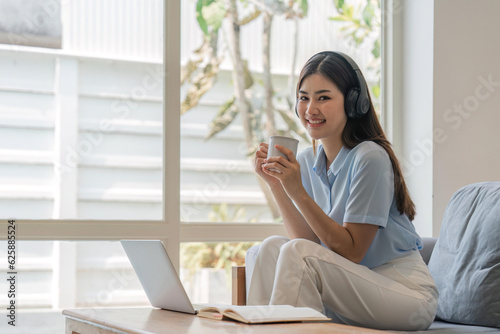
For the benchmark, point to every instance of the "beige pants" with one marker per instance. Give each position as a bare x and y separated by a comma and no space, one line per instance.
398,295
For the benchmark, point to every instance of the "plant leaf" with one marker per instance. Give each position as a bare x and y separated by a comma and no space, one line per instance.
202,83
292,125
224,117
210,14
250,17
304,6
339,4
214,14
349,11
199,15
341,18
376,90
368,13
188,70
248,75
376,49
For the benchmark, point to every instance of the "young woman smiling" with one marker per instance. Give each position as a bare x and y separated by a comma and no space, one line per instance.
352,250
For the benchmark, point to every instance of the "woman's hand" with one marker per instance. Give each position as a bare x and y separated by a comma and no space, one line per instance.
260,156
286,171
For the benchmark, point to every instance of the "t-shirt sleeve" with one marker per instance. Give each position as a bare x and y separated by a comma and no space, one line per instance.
305,170
371,189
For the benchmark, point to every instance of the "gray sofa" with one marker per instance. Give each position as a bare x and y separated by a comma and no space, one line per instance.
440,326
464,262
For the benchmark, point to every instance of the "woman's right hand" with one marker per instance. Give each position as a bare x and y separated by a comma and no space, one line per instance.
260,156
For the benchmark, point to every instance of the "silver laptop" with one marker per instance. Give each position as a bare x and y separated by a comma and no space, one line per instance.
157,275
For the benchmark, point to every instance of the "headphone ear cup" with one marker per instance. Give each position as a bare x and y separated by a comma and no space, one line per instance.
364,105
350,102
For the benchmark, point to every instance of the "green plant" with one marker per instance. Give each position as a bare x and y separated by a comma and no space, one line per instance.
197,255
221,213
362,24
258,112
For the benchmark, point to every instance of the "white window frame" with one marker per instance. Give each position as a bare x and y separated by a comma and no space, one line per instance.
391,80
169,229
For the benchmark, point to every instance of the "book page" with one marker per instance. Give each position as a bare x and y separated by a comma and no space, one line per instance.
270,313
211,313
264,313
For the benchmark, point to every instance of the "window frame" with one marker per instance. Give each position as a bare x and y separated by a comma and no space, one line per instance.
391,74
169,230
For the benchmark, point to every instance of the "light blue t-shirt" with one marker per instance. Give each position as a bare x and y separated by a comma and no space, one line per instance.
359,188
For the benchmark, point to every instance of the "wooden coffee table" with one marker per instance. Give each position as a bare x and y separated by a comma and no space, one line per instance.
156,321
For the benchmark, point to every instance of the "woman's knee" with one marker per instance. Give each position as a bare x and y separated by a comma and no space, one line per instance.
272,244
300,247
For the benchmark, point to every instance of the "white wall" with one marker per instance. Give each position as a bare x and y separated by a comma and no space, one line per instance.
448,51
466,54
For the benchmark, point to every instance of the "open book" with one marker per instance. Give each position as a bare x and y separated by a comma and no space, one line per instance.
260,314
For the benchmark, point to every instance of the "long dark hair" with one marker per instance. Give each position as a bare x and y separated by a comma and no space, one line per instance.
357,130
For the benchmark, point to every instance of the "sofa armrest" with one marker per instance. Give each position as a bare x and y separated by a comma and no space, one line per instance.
426,251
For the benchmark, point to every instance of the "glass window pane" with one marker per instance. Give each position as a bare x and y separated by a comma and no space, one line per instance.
31,22
52,275
56,275
221,125
206,269
81,127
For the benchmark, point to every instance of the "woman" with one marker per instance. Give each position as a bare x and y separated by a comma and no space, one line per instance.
353,252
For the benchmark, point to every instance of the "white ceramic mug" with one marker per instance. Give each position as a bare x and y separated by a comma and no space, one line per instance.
289,143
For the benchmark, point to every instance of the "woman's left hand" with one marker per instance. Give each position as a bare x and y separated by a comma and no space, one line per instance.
288,171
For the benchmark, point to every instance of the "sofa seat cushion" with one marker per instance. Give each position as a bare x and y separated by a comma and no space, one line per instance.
465,262
442,327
